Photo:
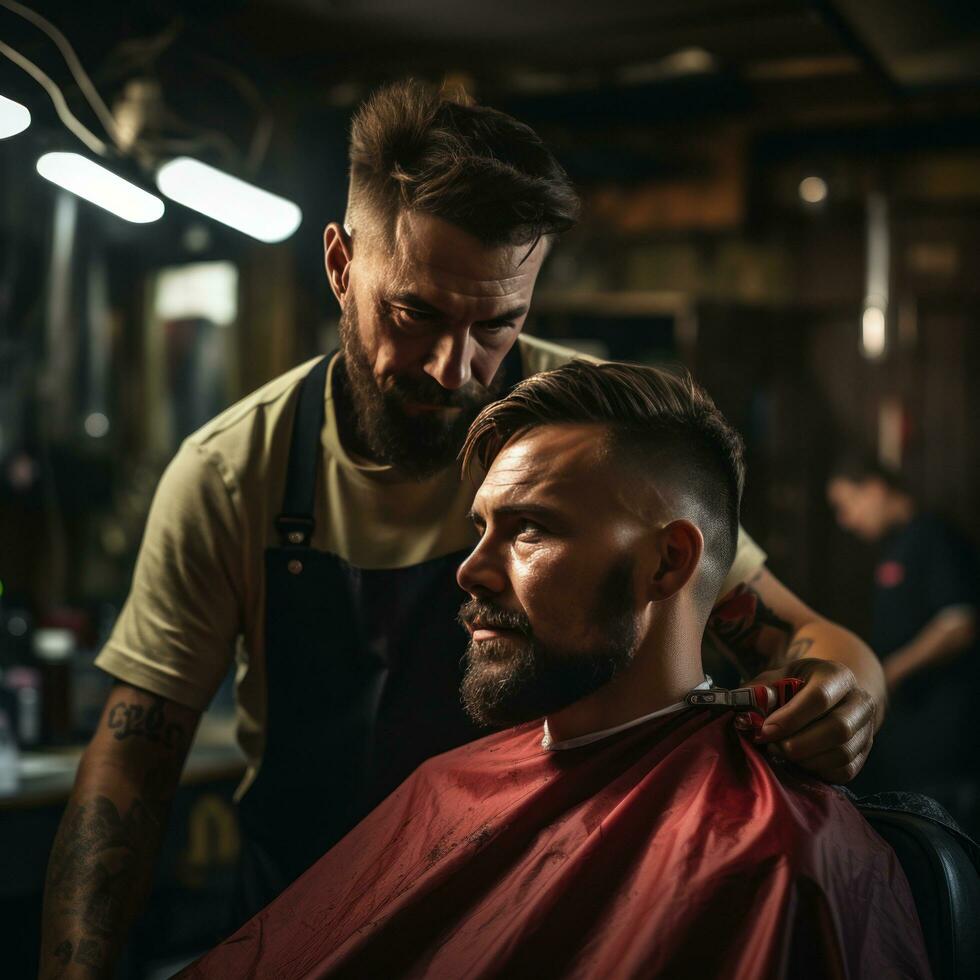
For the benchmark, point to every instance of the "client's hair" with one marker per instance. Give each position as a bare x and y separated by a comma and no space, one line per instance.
413,148
661,425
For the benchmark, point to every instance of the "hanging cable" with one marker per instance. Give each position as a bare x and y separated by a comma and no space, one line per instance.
74,65
60,105
262,134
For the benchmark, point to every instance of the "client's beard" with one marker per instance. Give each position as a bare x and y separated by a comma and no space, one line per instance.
509,681
420,445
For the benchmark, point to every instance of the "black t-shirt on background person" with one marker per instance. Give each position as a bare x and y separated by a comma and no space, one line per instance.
930,742
924,567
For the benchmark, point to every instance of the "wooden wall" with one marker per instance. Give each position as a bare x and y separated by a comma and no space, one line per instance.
795,382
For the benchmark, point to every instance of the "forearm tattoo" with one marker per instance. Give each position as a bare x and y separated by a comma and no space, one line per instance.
101,863
128,720
798,649
749,632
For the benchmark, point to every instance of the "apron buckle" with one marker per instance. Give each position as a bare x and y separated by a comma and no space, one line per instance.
296,530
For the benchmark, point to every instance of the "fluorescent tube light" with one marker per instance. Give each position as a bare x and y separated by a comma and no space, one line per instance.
242,206
87,179
14,117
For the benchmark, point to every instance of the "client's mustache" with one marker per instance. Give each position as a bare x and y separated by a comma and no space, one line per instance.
479,612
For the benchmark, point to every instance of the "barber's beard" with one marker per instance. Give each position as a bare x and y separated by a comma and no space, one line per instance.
517,679
419,445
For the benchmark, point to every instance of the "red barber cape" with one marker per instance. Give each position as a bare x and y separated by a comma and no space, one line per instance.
673,849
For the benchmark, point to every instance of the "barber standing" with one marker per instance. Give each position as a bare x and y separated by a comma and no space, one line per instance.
313,532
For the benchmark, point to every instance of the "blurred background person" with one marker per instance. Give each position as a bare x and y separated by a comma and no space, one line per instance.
924,628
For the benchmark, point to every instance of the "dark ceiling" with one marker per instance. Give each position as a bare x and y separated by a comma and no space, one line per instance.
324,49
914,43
222,66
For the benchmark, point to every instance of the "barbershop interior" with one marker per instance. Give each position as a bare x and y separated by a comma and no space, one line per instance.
781,197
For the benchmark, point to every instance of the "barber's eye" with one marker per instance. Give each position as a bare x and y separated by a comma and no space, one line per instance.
415,316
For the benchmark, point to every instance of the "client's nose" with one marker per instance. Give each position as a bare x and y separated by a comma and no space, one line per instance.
481,574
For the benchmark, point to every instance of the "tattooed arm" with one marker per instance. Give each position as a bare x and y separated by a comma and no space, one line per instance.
829,726
101,864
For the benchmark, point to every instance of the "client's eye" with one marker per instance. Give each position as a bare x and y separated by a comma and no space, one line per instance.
528,529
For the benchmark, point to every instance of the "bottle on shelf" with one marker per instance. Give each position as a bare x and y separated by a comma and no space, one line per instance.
9,757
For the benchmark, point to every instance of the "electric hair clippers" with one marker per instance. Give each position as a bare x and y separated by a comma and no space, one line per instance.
756,702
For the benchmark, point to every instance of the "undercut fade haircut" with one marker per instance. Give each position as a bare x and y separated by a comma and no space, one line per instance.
662,426
413,148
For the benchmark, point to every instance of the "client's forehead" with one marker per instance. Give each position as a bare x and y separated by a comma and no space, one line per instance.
562,464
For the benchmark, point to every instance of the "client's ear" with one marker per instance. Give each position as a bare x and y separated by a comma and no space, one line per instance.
338,251
679,547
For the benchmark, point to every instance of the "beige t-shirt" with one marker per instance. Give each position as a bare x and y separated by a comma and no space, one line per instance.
198,592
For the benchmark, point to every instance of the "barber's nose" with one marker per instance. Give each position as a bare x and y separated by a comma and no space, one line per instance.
481,573
449,360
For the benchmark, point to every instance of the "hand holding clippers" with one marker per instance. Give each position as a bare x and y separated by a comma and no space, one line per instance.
756,702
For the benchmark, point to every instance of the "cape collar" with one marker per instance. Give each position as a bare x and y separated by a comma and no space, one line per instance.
573,743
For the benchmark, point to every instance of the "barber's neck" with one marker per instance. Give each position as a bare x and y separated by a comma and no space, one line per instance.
667,665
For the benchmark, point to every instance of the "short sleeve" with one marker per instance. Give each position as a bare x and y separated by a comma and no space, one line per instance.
176,633
749,559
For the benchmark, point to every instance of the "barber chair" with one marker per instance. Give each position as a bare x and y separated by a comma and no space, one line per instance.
942,865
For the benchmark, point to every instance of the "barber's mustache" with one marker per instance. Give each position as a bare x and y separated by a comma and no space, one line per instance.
481,614
428,391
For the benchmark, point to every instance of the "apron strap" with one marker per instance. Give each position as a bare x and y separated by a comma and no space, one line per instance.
296,523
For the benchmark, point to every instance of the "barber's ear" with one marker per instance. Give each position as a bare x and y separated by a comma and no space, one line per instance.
338,250
679,548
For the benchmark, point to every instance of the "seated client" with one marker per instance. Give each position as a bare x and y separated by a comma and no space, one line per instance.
615,832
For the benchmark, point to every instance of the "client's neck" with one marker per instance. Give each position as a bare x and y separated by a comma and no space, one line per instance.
666,666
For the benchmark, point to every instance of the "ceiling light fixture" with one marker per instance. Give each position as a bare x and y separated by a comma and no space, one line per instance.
14,117
813,190
93,182
874,318
874,337
233,202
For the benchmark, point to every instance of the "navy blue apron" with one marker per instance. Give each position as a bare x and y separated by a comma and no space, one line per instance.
363,672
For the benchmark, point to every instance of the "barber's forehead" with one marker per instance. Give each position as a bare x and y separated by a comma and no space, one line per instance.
430,251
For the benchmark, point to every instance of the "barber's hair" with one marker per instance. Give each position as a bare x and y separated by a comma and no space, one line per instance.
860,467
660,425
413,148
